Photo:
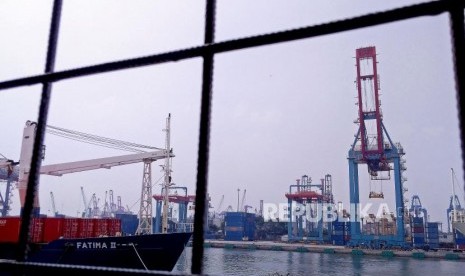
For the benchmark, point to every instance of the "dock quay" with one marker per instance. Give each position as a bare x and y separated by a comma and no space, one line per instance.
332,249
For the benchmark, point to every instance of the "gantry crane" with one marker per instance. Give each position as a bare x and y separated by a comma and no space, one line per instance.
371,148
416,209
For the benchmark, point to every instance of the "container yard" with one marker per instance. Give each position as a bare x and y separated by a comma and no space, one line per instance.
409,230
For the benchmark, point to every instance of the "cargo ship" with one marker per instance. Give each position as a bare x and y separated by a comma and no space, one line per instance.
92,242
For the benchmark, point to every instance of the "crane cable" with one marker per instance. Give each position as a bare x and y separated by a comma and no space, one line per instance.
98,140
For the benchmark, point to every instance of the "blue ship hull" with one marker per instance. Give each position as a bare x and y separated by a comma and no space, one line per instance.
152,252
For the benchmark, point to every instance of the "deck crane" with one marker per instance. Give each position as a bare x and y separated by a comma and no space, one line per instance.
371,149
85,165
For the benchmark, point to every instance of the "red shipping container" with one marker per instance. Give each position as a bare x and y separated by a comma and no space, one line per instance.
53,229
37,229
114,227
86,228
9,229
101,227
71,228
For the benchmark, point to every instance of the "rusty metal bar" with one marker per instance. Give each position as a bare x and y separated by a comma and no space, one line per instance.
458,54
204,141
378,18
33,178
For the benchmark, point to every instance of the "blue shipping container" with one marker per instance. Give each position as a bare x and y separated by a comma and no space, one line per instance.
418,240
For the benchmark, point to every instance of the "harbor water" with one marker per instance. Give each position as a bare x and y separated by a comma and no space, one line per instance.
222,261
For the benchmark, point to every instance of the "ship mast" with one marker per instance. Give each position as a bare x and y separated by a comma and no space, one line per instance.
453,197
167,179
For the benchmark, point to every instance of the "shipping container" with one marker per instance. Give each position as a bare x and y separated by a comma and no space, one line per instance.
9,229
234,235
53,229
129,223
86,228
418,240
239,224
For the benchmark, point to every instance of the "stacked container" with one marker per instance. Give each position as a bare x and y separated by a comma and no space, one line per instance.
459,240
239,226
418,232
337,236
129,223
432,234
48,229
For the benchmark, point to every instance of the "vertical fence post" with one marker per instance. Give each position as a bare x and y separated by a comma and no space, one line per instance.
204,137
458,54
33,178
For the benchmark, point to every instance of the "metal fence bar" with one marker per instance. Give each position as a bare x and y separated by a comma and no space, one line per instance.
36,160
204,142
394,15
458,54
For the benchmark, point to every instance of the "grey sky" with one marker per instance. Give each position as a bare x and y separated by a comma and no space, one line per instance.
279,111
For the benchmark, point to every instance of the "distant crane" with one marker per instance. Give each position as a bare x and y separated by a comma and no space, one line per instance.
220,204
112,203
454,206
54,210
95,210
242,200
106,207
218,208
416,208
246,208
87,210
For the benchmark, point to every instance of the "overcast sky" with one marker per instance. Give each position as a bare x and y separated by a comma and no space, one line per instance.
279,111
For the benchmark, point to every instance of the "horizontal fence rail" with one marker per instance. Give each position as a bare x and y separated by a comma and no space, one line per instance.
409,12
